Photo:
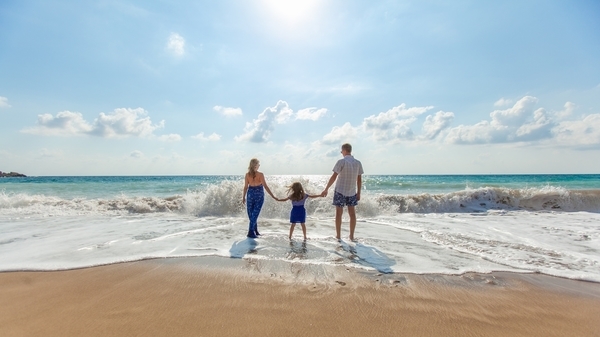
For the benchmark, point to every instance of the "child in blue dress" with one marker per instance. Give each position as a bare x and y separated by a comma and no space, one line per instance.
298,214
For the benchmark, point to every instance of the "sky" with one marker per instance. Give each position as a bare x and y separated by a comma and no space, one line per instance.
126,87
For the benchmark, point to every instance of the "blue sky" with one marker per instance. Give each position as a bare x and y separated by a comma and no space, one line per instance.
201,87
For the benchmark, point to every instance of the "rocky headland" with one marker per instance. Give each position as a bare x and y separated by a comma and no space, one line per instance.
11,174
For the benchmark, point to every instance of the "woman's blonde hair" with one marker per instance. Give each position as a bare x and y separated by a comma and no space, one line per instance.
252,167
296,191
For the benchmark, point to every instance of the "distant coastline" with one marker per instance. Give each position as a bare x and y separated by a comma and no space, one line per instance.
11,174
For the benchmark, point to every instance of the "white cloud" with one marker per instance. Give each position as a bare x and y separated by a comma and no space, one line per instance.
229,112
313,114
136,154
176,44
66,123
503,102
4,102
479,133
516,124
434,125
569,107
261,128
212,138
393,124
172,137
122,122
339,135
333,152
584,133
539,128
516,115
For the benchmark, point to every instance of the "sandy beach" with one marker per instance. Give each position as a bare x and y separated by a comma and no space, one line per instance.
216,297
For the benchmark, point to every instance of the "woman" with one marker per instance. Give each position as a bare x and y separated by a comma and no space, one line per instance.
254,183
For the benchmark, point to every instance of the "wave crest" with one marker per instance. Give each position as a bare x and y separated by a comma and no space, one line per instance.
482,199
225,200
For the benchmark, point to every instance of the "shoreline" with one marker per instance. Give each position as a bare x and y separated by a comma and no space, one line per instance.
257,268
212,296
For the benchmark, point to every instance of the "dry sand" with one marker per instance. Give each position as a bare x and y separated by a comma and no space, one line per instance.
226,297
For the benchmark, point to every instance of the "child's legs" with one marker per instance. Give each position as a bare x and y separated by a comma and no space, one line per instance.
303,230
292,225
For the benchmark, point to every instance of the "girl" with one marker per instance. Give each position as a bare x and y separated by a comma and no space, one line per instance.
298,214
253,187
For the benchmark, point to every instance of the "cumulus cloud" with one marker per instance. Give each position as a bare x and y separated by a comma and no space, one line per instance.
125,122
393,124
569,107
212,138
583,134
521,122
261,128
333,152
503,102
516,124
539,128
4,102
229,112
516,115
122,122
340,134
435,124
66,123
172,137
312,114
176,44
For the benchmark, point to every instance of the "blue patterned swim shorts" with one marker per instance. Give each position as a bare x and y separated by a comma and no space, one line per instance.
340,200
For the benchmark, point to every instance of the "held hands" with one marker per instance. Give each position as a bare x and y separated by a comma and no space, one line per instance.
324,193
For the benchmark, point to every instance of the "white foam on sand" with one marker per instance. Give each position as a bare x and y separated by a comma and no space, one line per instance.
564,244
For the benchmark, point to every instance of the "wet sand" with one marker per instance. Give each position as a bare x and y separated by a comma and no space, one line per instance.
224,297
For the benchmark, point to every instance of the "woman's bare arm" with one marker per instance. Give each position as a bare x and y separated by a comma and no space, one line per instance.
264,182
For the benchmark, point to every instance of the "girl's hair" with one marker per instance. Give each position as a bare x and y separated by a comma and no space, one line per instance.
252,167
296,191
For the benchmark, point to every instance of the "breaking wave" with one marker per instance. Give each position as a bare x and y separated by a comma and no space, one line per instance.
224,199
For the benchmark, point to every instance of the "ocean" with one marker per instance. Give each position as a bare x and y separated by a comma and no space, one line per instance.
447,224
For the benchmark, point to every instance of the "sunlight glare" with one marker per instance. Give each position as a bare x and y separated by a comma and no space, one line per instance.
291,11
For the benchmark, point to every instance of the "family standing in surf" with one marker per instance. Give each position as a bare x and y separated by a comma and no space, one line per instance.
347,175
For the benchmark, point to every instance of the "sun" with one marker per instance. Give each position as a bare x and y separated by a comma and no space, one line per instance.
291,11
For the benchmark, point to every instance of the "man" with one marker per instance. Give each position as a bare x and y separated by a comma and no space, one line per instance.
348,172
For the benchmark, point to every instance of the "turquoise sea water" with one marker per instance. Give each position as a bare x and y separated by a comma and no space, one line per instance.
163,186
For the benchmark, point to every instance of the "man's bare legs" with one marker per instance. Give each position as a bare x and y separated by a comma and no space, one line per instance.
338,222
352,214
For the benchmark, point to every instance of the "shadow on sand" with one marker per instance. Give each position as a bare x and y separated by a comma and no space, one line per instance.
369,256
241,248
